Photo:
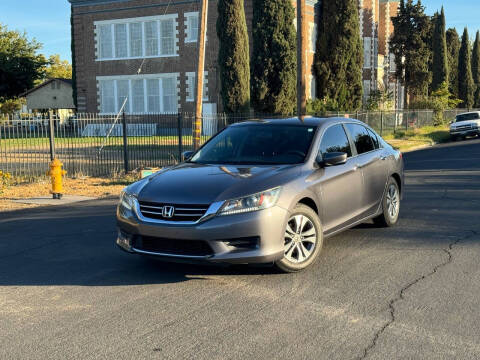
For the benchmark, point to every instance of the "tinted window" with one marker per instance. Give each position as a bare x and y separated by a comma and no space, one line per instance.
466,117
260,144
362,140
374,137
335,140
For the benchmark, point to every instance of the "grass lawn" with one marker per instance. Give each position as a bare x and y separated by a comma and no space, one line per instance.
405,140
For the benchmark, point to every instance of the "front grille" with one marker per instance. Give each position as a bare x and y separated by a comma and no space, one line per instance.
181,212
173,246
464,127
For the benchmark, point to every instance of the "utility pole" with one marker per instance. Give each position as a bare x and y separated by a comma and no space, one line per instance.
301,60
197,129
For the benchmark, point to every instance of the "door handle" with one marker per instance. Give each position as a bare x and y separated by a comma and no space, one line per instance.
356,167
383,157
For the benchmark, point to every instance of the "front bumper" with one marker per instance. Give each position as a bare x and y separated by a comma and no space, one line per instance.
222,234
469,132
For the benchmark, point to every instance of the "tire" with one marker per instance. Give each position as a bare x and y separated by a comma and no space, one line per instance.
390,205
303,240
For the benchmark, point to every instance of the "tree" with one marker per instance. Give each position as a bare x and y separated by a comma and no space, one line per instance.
233,56
58,68
20,65
453,49
465,78
411,48
476,69
274,59
440,62
338,63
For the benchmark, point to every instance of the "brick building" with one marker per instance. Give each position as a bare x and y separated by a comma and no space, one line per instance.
112,38
376,29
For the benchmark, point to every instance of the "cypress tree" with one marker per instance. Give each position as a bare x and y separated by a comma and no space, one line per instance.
465,78
476,69
453,50
440,63
274,59
233,56
338,63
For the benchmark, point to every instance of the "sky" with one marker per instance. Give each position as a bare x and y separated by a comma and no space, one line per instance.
49,20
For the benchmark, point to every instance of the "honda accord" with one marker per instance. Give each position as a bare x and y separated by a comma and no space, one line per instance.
264,192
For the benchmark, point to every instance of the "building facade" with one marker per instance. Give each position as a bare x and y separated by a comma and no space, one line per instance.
140,55
376,28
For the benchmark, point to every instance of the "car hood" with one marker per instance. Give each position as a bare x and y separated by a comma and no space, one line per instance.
190,183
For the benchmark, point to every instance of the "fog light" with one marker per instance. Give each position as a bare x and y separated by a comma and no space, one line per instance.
124,241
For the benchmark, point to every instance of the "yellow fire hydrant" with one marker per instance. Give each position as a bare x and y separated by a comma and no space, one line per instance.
56,173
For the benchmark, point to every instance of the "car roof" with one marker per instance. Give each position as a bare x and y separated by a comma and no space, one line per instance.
308,121
469,112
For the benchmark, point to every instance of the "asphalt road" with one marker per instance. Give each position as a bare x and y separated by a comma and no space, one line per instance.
409,292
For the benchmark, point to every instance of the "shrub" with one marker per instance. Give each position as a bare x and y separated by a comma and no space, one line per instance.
5,179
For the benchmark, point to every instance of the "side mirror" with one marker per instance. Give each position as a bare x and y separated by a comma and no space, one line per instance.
186,155
333,159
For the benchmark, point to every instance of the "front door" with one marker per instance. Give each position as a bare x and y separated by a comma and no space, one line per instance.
339,187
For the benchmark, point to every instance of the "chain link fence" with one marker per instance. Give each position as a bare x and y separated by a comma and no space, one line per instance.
96,145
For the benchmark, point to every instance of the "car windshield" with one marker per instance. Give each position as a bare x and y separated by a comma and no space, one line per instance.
258,144
466,117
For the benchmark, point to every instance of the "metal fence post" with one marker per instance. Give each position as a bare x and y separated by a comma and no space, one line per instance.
51,132
125,145
381,123
180,136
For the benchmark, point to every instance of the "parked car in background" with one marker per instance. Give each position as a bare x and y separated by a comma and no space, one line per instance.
466,124
264,192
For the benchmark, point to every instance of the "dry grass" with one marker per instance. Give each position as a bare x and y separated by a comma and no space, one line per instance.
85,186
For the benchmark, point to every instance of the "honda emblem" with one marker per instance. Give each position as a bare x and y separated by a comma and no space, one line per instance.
168,211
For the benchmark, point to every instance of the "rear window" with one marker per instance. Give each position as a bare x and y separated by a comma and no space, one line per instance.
466,117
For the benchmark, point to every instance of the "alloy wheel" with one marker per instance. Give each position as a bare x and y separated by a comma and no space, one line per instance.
300,239
393,201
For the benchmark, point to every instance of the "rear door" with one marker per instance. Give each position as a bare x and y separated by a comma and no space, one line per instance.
339,187
372,166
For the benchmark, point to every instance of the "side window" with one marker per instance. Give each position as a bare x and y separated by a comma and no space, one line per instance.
335,140
361,138
374,137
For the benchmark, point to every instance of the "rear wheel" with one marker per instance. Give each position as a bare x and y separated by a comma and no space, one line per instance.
303,240
390,205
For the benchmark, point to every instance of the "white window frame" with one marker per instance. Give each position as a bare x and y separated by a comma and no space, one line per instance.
190,93
141,20
130,78
188,30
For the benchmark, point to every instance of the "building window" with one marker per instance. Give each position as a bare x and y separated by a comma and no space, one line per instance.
143,94
313,37
151,38
191,23
153,96
191,86
105,43
137,38
168,38
121,49
366,88
367,52
107,96
138,96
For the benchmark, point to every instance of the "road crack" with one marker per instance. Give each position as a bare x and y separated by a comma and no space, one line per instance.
391,305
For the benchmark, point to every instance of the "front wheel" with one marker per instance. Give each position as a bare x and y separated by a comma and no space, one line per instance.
390,205
303,240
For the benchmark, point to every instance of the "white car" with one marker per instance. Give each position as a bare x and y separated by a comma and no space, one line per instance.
466,124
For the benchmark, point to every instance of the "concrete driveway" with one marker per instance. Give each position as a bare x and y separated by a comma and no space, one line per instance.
410,292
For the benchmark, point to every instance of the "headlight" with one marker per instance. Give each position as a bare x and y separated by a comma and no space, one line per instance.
260,201
127,201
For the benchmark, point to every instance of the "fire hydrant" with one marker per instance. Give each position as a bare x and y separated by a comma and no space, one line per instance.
56,173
